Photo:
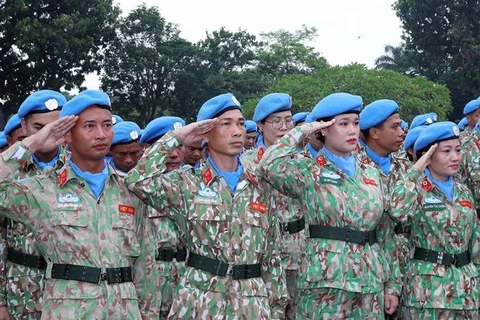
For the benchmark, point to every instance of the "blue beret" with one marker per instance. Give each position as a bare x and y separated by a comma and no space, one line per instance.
271,103
412,136
3,139
158,127
116,119
83,100
217,105
404,125
462,124
12,124
436,132
300,117
424,120
377,112
250,126
471,106
126,132
41,101
335,104
204,143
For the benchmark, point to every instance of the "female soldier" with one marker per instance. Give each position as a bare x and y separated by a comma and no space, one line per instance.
441,279
345,271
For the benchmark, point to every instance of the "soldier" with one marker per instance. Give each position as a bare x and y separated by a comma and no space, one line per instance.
462,124
13,130
223,216
251,137
193,154
274,119
345,271
89,228
22,266
171,253
126,149
441,278
471,111
3,142
470,165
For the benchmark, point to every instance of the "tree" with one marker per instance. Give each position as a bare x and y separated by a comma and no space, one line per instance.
50,44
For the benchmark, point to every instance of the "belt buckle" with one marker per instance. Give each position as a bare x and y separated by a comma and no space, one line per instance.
454,260
230,269
103,276
440,258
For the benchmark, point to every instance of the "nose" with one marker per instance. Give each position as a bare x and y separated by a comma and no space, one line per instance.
100,133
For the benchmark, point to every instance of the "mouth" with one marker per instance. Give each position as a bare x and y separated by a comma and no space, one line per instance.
237,144
454,166
352,141
100,146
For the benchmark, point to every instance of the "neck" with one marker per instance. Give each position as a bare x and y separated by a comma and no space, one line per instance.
46,157
337,152
225,163
378,150
437,176
93,166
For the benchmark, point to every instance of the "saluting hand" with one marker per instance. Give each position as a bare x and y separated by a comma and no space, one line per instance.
425,159
195,131
316,126
50,136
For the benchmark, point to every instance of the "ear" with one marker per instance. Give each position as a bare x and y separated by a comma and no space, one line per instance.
374,133
260,126
68,137
24,126
9,141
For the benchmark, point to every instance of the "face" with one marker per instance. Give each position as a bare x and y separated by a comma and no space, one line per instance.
250,140
193,153
126,156
228,136
276,126
445,160
15,135
390,135
91,137
175,159
36,121
473,118
342,137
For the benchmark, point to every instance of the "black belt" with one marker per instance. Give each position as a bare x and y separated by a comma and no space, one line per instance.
91,274
169,254
25,259
343,234
293,226
478,213
443,258
220,268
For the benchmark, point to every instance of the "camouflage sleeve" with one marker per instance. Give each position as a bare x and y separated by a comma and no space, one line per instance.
3,260
284,172
385,232
12,159
144,269
272,270
403,204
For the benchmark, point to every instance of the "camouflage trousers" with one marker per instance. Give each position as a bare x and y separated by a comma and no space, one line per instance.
24,293
292,306
333,304
169,275
439,314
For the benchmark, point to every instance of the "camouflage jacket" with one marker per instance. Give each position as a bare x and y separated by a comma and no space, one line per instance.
71,226
18,292
441,225
470,166
329,197
287,209
239,228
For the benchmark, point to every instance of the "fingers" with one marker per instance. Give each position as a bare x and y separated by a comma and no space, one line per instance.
63,125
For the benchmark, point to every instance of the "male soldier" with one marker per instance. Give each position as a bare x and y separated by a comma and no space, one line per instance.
3,142
472,113
13,130
380,124
22,278
274,119
171,254
126,149
192,154
470,164
89,228
224,217
251,137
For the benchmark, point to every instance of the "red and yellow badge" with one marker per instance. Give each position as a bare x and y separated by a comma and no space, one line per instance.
126,209
426,185
260,153
207,176
257,206
321,161
466,204
62,177
369,181
252,178
478,142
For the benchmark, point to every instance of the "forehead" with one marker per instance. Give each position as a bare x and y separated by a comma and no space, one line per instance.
452,143
43,118
280,114
394,118
129,147
347,116
231,114
95,113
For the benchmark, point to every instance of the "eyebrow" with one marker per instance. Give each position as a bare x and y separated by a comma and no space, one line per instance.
231,119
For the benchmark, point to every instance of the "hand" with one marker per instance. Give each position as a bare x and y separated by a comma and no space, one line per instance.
425,160
391,303
316,126
4,313
195,131
51,136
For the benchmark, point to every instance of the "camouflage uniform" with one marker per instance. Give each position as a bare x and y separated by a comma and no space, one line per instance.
332,266
466,134
470,166
238,229
72,227
22,286
443,226
292,244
